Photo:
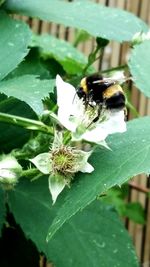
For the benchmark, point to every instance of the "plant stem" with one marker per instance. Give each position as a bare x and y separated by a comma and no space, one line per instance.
30,172
67,139
92,58
139,188
26,123
132,109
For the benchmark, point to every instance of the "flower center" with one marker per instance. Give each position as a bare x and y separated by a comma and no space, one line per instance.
62,160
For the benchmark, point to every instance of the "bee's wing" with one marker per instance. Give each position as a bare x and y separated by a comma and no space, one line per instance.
110,80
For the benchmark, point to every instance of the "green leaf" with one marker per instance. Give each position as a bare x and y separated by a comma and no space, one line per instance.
13,136
30,65
134,211
80,36
68,56
14,39
139,65
86,240
130,156
1,2
2,210
28,88
96,19
117,197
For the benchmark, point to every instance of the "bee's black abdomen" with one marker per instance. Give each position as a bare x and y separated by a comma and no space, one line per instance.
117,101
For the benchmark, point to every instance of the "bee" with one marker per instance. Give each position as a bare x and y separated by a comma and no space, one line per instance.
106,93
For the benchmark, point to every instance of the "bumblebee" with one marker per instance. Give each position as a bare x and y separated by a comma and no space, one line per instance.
106,93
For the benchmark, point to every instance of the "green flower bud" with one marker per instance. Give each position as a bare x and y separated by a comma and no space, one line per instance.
101,42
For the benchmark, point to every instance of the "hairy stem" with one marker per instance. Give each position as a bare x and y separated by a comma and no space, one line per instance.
26,123
30,172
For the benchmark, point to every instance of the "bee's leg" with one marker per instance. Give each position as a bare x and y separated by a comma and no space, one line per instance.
86,103
125,113
98,113
100,106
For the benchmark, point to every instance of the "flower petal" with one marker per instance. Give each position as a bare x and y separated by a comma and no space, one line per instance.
114,124
65,93
42,162
87,168
84,166
64,116
56,185
96,135
65,100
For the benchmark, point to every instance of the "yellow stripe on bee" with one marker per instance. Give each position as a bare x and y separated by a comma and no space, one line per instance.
84,85
113,89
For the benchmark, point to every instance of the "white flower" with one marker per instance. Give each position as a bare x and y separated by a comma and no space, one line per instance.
10,170
139,37
74,117
61,163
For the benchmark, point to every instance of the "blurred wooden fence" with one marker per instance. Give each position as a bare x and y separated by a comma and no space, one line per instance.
114,55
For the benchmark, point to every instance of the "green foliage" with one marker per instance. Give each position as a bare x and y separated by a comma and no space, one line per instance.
135,212
72,61
117,197
81,231
139,65
81,241
98,20
30,65
13,136
130,156
2,210
80,37
13,44
28,88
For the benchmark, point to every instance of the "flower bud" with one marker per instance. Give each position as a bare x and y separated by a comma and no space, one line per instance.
139,37
10,170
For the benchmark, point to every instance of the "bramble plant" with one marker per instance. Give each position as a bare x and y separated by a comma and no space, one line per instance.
56,159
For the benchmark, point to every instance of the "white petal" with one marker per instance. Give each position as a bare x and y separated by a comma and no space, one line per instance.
84,165
87,168
104,144
114,124
65,94
147,35
56,185
42,162
64,119
67,100
96,135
